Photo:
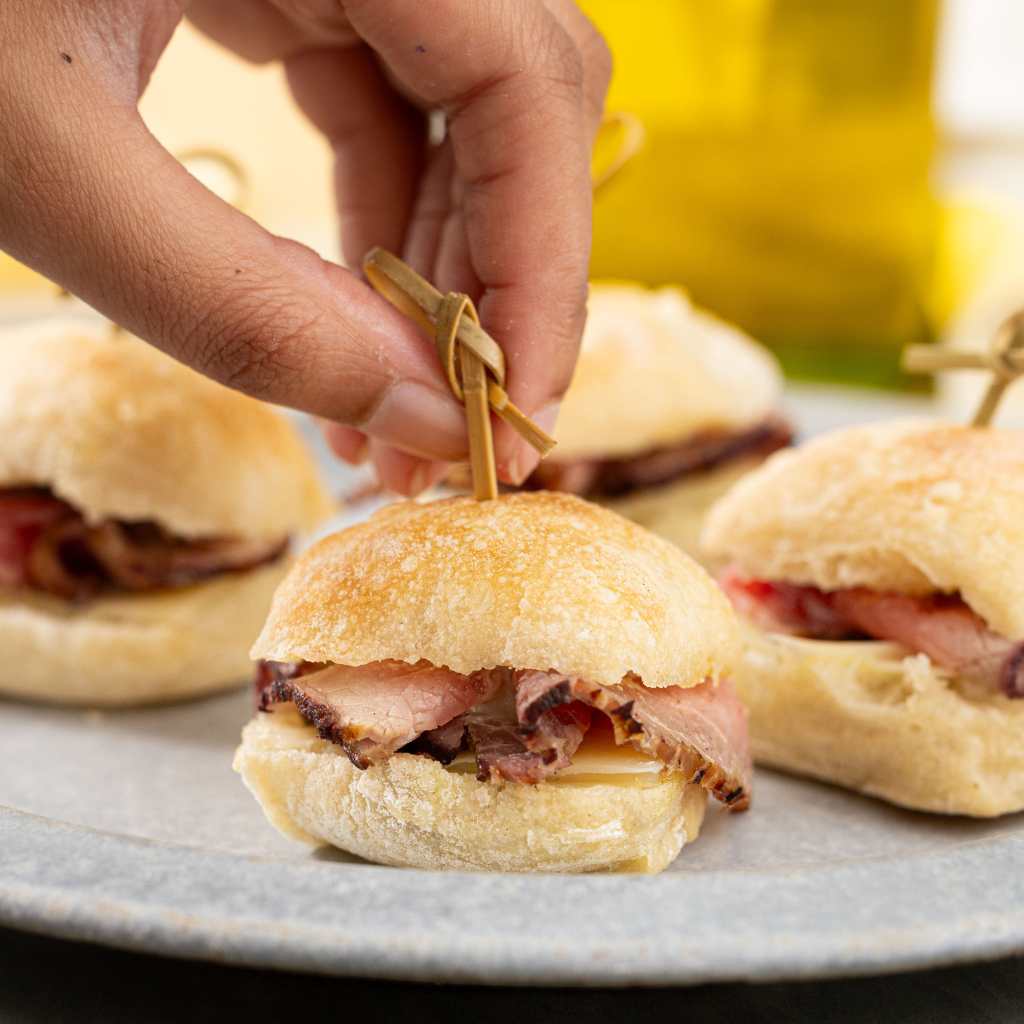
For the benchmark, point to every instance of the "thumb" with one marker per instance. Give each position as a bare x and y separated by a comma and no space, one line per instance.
90,199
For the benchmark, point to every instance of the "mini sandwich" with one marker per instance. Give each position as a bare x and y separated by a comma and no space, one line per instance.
526,684
881,570
668,408
145,518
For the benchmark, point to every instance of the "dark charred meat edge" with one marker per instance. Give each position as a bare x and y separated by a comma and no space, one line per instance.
1012,680
623,705
551,718
373,711
443,744
701,453
527,753
46,545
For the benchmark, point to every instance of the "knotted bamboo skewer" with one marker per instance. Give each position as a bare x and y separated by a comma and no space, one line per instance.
473,362
1004,360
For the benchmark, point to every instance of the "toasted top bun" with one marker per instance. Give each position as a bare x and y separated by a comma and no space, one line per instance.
654,370
911,507
122,431
533,580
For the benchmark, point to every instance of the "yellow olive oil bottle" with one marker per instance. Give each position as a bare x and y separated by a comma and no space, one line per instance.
785,179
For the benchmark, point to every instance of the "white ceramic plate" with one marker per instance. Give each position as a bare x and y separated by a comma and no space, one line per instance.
131,829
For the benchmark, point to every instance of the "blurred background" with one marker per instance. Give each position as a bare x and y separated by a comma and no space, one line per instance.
839,177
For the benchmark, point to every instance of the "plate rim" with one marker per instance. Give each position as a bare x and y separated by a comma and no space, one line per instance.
134,917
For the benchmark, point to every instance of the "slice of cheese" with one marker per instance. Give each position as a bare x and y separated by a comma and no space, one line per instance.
598,759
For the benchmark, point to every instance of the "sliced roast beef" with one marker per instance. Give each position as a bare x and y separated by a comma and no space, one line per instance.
1011,677
522,726
941,626
606,478
140,556
443,744
944,628
508,749
538,692
501,752
45,544
270,672
784,608
25,513
698,730
374,710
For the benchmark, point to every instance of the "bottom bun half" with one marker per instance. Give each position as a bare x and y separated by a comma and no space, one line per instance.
134,649
676,511
413,812
873,718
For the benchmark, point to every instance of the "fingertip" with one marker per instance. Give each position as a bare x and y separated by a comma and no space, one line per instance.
547,417
405,474
347,443
517,459
522,463
416,416
426,476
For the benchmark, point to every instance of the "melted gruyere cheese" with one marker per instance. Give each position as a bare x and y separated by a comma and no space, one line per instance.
598,760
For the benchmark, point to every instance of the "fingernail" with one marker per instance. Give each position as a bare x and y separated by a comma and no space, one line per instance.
419,419
547,417
525,459
523,463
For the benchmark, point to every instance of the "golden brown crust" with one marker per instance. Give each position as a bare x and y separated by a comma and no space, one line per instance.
654,370
121,431
134,648
412,812
538,580
870,717
912,507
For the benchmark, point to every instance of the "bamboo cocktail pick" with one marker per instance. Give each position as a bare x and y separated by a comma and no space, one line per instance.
1004,360
472,361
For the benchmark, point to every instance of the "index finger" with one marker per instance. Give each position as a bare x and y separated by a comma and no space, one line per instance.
511,81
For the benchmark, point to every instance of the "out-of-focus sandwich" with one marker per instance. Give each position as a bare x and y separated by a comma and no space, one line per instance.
526,684
881,570
668,408
145,518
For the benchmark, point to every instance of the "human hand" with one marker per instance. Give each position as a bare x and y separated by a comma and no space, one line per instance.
500,209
